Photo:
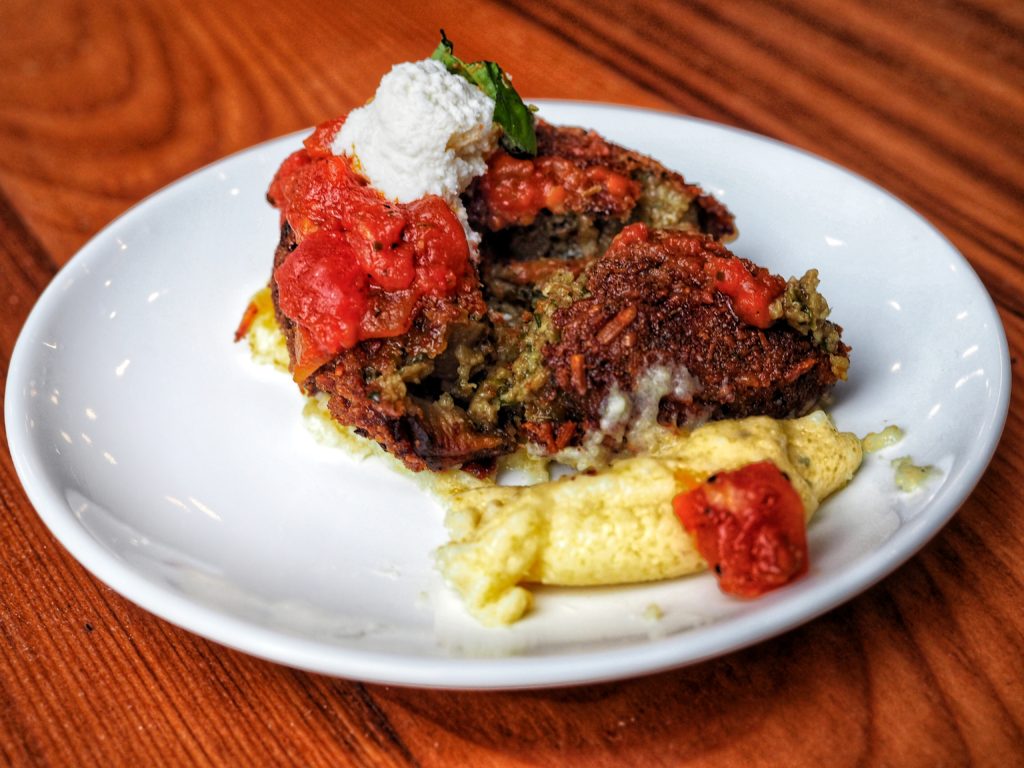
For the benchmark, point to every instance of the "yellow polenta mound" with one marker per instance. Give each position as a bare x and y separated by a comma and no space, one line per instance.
266,342
617,526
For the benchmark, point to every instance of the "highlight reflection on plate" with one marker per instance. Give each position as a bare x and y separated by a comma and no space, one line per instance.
179,472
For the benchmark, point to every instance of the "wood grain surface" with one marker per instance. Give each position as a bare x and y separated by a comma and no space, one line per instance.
101,103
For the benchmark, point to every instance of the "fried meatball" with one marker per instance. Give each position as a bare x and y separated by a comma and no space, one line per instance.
658,337
399,391
561,209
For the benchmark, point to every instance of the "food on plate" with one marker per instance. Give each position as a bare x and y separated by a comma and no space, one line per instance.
876,441
666,328
559,210
259,327
909,476
467,287
748,525
618,526
462,279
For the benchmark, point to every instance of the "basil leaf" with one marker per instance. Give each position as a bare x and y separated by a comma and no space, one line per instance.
514,116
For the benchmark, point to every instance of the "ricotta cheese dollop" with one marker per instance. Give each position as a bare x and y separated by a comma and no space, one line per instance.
425,132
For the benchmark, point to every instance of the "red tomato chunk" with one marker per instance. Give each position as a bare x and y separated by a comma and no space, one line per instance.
748,524
362,262
323,288
752,293
518,189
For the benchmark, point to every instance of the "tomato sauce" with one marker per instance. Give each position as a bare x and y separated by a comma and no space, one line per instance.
362,262
749,526
752,293
517,189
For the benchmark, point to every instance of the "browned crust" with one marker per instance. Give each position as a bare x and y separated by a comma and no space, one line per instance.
375,386
649,303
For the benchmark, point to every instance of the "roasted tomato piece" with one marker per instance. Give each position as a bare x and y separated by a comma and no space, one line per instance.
442,252
517,189
318,143
323,288
752,291
278,193
749,526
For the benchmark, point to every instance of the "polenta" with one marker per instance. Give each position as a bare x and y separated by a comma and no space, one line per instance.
617,526
614,526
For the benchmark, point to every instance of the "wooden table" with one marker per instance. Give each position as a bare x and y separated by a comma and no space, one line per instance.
103,102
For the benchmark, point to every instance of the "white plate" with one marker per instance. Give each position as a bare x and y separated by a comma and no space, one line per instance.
179,472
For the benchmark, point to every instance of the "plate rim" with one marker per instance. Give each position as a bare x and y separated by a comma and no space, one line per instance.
504,673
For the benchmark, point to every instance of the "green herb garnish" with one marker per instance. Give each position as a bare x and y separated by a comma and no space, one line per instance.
515,117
